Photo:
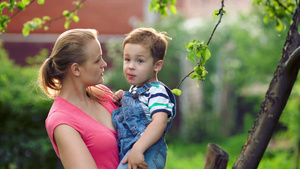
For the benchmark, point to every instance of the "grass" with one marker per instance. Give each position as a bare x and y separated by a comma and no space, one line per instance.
184,155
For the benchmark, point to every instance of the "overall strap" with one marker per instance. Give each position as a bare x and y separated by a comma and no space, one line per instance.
145,88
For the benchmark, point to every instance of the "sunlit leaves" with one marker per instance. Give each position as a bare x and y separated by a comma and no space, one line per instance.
34,24
41,2
216,13
70,16
198,53
176,92
16,6
3,22
162,6
277,11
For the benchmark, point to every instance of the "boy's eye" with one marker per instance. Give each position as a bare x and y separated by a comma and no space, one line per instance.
140,61
126,59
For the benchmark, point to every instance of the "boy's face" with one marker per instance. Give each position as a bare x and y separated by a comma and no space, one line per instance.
138,66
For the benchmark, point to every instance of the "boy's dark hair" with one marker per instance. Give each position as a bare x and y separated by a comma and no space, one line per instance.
150,38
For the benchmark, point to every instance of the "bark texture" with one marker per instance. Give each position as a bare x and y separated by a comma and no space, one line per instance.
274,102
216,157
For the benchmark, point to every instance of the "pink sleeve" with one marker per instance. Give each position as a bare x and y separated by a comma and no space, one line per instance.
54,120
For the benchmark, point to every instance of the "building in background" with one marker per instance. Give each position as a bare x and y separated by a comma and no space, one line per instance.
112,19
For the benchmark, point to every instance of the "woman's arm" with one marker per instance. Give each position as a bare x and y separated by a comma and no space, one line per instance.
151,135
72,150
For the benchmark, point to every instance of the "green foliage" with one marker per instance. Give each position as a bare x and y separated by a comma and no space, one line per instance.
39,58
24,140
36,23
190,155
176,92
199,53
162,6
14,7
277,11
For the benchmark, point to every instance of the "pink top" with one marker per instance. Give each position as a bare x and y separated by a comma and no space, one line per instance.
100,140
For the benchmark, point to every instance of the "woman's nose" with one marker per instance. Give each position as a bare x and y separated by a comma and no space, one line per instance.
103,64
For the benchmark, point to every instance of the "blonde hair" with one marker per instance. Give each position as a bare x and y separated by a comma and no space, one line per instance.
149,37
69,48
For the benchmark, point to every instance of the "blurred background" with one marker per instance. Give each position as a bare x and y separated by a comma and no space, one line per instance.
221,109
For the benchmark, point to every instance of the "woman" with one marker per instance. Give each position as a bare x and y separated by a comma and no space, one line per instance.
79,123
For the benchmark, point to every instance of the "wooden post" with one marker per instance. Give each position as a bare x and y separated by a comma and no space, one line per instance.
216,157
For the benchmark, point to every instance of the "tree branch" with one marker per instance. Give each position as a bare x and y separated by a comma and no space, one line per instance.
293,63
184,78
284,7
221,13
61,16
18,11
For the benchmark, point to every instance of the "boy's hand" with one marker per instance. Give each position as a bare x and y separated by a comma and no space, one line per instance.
117,97
135,160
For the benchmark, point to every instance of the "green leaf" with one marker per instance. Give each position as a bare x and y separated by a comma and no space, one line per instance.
173,9
206,54
173,2
11,5
41,2
194,76
46,18
192,56
298,28
67,24
279,26
176,92
75,18
3,5
215,13
198,70
46,28
189,46
266,19
66,13
79,5
26,2
21,6
25,31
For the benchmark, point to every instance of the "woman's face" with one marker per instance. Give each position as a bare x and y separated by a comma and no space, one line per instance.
92,70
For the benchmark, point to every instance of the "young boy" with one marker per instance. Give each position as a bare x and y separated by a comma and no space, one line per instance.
149,107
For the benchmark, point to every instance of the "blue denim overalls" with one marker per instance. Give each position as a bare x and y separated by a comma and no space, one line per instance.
130,122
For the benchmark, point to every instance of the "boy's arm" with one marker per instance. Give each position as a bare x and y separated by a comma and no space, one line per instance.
151,135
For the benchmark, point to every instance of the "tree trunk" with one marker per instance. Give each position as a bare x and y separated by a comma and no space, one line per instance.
216,157
274,102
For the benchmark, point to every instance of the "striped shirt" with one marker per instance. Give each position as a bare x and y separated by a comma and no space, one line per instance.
156,99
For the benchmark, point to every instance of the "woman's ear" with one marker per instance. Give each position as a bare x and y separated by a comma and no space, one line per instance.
75,69
158,65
